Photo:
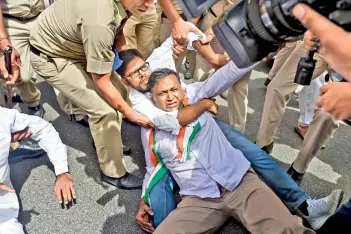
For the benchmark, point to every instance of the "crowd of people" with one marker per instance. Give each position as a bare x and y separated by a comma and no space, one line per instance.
110,60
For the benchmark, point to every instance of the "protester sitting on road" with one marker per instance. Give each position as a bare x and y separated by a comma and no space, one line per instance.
136,73
212,189
15,126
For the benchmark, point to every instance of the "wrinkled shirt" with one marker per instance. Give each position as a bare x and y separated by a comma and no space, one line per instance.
12,121
213,159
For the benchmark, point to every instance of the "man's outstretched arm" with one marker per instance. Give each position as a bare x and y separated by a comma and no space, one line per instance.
49,140
220,81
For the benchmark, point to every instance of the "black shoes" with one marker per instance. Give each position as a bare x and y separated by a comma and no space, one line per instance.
36,111
15,99
297,176
84,122
268,148
128,181
266,83
25,150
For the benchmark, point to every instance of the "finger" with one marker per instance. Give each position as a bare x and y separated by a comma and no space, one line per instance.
324,89
148,210
58,196
319,102
15,137
27,134
148,229
73,194
6,188
65,197
315,22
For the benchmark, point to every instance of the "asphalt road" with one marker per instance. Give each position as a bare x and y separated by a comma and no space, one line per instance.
102,208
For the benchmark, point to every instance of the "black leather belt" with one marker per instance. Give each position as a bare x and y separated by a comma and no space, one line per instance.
7,16
35,51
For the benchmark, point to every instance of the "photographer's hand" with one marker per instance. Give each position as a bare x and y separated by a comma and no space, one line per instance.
336,99
335,42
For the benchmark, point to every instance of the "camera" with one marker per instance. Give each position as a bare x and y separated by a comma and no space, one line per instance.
252,29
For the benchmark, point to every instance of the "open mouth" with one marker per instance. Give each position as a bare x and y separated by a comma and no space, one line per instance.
172,105
142,10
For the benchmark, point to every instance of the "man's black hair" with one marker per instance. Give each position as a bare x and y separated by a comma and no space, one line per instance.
127,56
158,75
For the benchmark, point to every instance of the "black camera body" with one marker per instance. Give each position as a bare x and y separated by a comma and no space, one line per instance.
254,28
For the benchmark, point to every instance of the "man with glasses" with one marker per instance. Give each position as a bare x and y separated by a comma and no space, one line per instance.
136,73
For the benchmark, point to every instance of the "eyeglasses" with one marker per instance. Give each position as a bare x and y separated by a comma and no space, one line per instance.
135,74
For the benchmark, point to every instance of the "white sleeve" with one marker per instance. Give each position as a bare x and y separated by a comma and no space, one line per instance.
45,134
163,120
149,167
219,82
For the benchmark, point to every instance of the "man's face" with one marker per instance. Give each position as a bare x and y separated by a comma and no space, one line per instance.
168,94
138,7
141,75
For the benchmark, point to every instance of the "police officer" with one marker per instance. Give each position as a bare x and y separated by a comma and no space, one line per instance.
18,18
72,48
138,32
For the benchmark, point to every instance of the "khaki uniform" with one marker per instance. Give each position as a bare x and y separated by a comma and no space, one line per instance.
19,17
252,203
280,58
75,38
138,32
278,94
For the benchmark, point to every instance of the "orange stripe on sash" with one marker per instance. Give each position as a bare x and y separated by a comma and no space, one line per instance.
152,153
180,140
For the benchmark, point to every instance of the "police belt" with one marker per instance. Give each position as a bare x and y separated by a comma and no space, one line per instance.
23,19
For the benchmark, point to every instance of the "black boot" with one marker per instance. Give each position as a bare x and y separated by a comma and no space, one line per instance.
84,122
25,150
128,181
297,176
36,111
268,148
15,99
266,83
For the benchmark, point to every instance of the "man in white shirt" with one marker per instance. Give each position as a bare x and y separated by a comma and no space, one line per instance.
44,133
136,73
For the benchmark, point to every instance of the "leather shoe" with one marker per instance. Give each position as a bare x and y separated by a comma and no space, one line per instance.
268,148
84,122
36,111
25,150
297,176
128,181
15,99
266,83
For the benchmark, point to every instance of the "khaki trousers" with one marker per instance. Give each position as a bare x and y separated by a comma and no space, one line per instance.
237,103
138,32
18,31
280,58
252,203
69,107
278,95
72,80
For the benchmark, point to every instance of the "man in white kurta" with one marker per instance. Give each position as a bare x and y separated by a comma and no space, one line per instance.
11,121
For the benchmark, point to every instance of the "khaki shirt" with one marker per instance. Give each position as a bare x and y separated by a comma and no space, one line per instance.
80,30
22,8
